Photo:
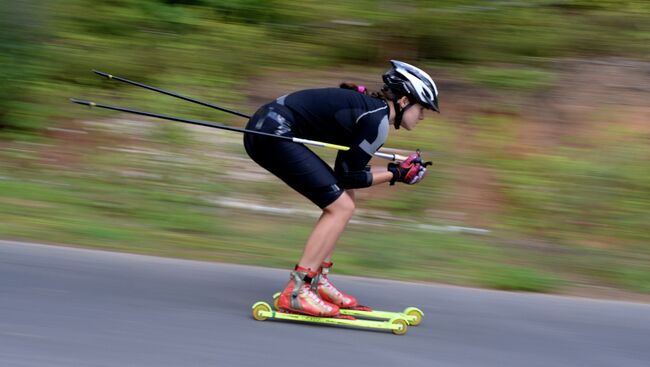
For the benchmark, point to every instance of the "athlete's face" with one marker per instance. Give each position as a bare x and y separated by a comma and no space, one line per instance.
412,116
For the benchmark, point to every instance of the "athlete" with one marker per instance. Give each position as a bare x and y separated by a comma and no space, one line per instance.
348,116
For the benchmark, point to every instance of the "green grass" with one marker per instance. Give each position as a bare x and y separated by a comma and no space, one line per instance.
129,214
598,194
636,279
511,78
208,48
516,278
575,197
581,194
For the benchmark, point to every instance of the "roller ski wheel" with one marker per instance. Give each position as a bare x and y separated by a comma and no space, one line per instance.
412,315
263,311
415,315
402,326
276,300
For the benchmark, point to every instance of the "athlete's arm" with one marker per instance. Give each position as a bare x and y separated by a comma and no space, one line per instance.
380,177
350,169
369,135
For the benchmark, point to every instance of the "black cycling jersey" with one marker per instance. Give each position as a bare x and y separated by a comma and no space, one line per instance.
334,114
331,115
344,117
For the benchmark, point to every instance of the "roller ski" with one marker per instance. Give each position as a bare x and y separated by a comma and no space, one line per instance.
348,305
263,311
309,297
412,315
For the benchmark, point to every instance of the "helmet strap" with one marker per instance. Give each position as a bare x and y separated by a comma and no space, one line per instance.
399,112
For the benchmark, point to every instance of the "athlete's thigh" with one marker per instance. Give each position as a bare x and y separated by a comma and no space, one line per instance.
298,167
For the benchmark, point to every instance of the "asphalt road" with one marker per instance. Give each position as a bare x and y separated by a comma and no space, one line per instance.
70,307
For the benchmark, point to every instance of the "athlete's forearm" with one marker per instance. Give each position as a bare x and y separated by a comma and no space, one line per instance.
381,176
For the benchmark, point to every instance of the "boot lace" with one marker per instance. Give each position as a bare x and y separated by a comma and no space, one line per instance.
327,284
314,297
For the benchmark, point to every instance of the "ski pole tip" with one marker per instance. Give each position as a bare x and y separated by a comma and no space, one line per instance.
86,103
105,75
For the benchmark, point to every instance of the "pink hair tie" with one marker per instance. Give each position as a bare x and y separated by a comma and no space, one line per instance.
361,88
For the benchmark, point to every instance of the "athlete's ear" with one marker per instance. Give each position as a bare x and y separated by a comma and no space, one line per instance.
403,101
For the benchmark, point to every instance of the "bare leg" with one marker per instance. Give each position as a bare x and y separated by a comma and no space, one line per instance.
326,290
350,192
328,229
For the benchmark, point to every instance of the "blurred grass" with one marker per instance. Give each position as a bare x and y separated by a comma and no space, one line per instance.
600,194
509,78
159,202
514,278
208,47
150,187
171,223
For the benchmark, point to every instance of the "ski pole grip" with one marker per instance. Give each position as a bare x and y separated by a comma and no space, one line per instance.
390,156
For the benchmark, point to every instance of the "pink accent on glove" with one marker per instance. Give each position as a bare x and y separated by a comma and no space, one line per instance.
416,172
361,88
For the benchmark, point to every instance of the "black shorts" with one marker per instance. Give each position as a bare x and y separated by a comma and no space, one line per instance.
293,163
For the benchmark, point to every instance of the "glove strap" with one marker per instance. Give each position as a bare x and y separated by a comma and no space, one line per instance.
393,180
394,169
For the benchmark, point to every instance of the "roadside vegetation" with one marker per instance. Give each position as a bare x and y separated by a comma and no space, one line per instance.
542,141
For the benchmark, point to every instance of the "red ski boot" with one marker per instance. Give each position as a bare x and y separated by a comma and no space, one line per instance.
298,297
328,292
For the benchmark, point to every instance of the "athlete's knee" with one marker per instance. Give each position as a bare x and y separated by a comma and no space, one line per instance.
351,192
344,205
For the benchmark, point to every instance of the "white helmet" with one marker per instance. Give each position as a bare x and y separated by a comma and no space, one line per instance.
407,80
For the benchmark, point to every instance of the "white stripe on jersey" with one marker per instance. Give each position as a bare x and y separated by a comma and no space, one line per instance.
367,112
382,134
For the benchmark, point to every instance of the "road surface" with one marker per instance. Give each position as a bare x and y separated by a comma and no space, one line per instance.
71,307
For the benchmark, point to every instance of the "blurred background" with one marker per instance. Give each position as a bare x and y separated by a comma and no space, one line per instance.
541,176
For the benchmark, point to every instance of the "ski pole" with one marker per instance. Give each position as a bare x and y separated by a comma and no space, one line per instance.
388,156
208,124
170,93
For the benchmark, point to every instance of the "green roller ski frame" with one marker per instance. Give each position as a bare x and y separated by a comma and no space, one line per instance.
412,315
263,311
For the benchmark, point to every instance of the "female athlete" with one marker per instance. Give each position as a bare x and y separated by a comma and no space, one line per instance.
347,116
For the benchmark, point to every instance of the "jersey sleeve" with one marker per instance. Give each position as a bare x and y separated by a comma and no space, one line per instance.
369,135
